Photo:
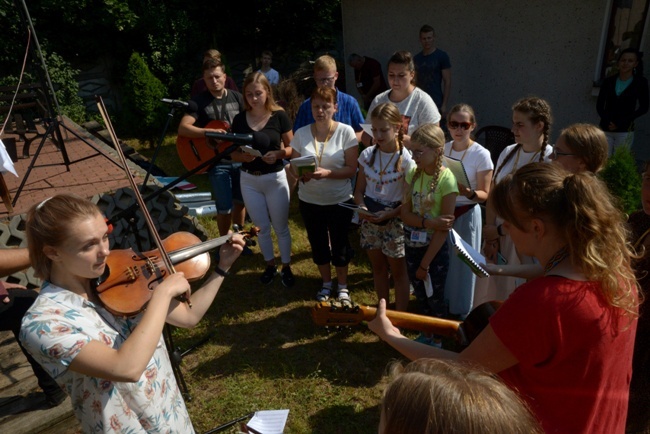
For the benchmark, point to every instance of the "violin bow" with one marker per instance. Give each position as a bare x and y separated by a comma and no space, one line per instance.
143,206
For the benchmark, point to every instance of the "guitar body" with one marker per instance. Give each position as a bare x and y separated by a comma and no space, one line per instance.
195,151
330,314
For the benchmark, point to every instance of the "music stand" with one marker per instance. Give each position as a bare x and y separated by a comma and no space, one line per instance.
55,120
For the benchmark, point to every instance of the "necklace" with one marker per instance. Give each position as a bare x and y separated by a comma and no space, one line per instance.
558,257
515,167
319,156
451,149
382,171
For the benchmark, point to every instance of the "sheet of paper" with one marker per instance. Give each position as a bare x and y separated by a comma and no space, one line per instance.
6,165
367,128
269,421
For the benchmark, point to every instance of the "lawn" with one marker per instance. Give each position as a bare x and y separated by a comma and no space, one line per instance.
262,350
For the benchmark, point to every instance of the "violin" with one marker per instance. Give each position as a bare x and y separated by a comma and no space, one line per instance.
129,279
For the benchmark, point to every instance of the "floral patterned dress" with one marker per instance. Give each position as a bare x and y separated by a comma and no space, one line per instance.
56,328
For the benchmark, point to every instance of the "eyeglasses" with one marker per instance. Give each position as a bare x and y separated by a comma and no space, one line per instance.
325,80
464,125
418,154
557,153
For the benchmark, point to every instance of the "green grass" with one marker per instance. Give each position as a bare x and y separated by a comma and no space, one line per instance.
264,352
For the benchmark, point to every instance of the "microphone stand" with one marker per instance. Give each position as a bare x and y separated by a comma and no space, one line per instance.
170,115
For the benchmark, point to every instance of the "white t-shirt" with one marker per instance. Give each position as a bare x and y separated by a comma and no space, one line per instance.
389,186
518,160
417,109
272,76
477,159
325,191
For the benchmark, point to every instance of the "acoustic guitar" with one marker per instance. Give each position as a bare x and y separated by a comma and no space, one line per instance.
195,151
332,314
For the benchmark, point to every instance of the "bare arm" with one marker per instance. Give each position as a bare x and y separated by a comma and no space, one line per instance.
483,181
128,362
446,85
13,261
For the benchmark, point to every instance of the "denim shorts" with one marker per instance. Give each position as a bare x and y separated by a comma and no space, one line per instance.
224,178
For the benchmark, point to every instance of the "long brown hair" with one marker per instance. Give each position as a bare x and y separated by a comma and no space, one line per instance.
581,208
537,110
257,77
390,113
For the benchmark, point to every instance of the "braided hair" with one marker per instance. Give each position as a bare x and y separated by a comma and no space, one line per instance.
537,110
390,113
430,136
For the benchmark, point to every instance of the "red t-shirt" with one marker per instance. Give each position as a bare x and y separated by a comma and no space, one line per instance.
574,353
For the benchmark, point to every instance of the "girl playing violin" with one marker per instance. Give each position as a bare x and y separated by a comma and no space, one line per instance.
116,369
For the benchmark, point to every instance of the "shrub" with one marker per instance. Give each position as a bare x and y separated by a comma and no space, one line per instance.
622,177
143,115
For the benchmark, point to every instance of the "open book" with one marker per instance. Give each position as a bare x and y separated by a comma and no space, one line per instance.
468,254
302,165
458,169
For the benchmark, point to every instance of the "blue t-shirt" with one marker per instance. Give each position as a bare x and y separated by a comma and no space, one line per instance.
428,71
348,112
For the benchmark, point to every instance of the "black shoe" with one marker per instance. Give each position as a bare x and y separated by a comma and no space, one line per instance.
55,398
269,274
287,277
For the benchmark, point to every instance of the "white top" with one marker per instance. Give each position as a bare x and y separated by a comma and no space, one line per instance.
476,159
325,191
417,109
516,162
272,76
389,186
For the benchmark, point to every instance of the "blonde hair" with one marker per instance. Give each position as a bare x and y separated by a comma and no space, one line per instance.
49,224
583,211
587,142
430,136
390,113
537,110
257,77
325,63
439,396
212,54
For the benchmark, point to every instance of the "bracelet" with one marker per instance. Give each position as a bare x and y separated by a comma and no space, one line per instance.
473,195
424,219
499,231
221,272
422,268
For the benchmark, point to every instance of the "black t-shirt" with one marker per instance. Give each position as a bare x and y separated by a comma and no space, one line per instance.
278,124
211,108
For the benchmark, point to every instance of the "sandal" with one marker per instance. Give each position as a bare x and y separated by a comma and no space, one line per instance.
344,297
323,294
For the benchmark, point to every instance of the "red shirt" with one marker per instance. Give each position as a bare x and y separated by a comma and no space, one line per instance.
574,353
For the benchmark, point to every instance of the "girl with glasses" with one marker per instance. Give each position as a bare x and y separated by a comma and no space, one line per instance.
461,122
415,105
428,215
380,188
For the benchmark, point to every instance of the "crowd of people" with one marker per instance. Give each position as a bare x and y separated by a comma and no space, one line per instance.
557,356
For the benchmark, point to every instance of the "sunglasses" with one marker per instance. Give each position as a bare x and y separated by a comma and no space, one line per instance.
463,125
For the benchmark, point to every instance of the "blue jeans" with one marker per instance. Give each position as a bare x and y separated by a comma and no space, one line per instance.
224,178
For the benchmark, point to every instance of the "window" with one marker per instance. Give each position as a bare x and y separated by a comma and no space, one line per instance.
625,26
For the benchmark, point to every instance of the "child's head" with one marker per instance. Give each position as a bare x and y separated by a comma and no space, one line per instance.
581,147
435,396
387,127
325,73
50,223
531,118
267,58
461,121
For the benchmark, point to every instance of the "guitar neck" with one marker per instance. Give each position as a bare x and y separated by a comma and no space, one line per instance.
422,323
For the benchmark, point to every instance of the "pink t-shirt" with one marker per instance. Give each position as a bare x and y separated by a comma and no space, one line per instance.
574,352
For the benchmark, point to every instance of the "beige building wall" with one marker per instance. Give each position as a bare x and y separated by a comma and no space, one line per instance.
500,51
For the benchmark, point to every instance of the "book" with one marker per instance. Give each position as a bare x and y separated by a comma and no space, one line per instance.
251,151
468,254
357,208
458,169
302,165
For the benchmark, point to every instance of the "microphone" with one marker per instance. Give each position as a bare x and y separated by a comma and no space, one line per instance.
258,139
177,103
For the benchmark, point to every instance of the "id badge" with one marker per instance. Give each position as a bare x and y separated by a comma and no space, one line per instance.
419,236
379,189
